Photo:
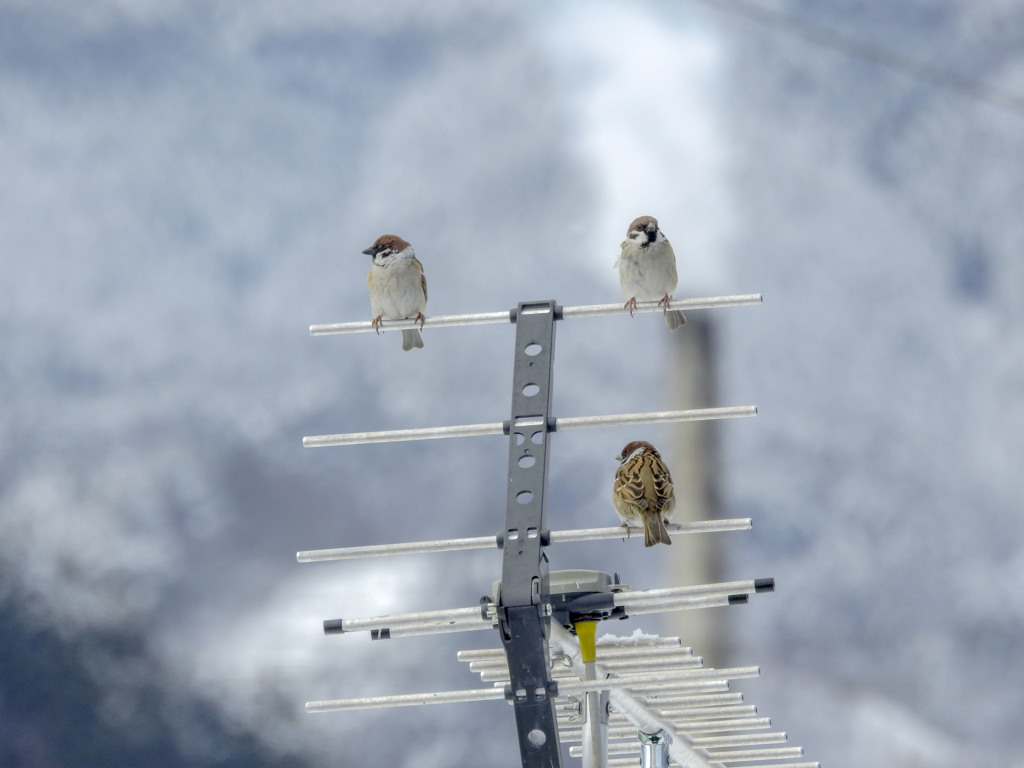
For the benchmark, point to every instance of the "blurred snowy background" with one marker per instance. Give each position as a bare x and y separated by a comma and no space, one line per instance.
185,186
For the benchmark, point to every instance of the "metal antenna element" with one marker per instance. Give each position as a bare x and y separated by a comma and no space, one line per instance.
488,318
523,610
553,425
493,542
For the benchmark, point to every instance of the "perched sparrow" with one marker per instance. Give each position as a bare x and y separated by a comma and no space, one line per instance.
398,288
643,491
647,268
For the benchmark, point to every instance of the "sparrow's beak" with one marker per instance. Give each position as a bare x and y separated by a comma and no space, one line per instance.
369,251
652,232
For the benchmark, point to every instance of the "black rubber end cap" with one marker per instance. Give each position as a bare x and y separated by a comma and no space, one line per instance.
333,627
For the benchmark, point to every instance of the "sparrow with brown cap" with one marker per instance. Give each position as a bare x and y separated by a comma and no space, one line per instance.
398,287
647,268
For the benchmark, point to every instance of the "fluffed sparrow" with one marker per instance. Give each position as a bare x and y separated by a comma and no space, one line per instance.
643,491
398,287
647,268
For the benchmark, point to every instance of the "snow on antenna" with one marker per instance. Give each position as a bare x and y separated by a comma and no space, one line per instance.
646,697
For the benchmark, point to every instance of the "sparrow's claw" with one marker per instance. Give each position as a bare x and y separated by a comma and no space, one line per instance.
376,323
664,302
421,318
630,305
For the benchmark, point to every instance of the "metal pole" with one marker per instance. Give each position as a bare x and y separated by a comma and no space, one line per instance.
595,703
654,749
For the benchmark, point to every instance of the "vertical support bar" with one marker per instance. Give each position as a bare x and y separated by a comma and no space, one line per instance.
595,703
524,608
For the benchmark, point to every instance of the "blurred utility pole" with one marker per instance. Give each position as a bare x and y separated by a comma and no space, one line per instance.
695,472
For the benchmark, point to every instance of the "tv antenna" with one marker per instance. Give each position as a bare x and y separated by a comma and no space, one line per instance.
620,700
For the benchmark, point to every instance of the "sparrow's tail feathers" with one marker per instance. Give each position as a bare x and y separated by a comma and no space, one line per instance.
675,319
655,531
411,338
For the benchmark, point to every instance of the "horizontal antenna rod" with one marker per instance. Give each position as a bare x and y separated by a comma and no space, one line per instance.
499,671
641,681
732,740
407,700
469,617
491,542
566,688
741,739
630,599
617,731
653,644
499,428
739,755
634,602
644,658
657,705
632,762
506,316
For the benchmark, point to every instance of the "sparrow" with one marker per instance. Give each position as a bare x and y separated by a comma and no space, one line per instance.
647,268
398,287
643,491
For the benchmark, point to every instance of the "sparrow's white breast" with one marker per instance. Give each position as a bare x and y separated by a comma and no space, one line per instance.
647,273
396,289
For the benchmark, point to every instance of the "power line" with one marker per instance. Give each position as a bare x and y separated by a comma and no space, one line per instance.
871,53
